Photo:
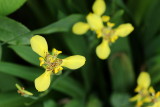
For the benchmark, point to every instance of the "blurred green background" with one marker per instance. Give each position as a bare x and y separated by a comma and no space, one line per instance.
99,83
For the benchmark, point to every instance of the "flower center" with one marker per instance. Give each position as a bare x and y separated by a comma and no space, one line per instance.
51,63
109,34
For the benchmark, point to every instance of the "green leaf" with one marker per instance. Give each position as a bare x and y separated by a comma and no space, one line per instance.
7,82
121,45
140,10
63,25
24,72
122,73
120,100
9,6
69,86
12,100
50,103
152,23
77,45
0,52
94,102
153,60
154,73
27,54
13,30
117,17
74,103
151,48
120,66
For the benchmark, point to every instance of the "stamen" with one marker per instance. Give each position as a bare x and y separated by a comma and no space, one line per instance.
52,63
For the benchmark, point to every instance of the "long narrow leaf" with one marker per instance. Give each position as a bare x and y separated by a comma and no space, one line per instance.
24,72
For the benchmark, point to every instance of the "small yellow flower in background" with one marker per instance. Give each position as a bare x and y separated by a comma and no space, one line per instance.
51,62
94,20
143,81
146,93
103,28
22,91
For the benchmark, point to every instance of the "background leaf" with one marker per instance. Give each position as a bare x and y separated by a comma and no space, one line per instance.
24,72
9,6
62,25
121,72
0,52
27,54
74,103
69,86
12,30
94,101
49,103
120,100
12,100
120,66
7,82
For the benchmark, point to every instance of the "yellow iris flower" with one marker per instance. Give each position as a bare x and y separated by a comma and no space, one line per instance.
143,83
146,93
51,62
95,22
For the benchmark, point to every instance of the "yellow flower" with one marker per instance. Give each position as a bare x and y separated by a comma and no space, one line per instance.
110,35
51,62
22,91
95,22
146,93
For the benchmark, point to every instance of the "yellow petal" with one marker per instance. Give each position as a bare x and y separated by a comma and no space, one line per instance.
144,80
113,38
57,69
151,90
103,50
99,7
56,52
109,24
43,81
156,104
139,103
105,18
94,21
135,98
80,28
42,61
157,94
39,45
147,99
124,29
74,62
